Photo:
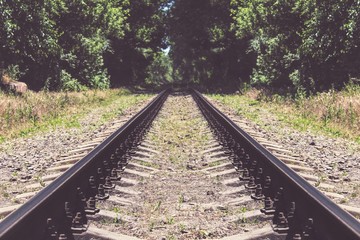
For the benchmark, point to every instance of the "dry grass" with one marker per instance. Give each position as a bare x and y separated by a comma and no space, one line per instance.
334,108
19,113
334,112
337,112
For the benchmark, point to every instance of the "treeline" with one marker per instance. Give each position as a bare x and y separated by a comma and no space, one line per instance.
73,44
293,44
76,44
203,48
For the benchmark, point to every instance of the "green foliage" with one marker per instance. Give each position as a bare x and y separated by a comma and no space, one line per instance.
204,48
66,44
28,37
13,71
300,44
69,83
130,56
160,71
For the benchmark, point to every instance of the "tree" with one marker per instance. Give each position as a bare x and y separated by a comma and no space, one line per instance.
144,38
59,43
28,38
204,49
160,70
300,44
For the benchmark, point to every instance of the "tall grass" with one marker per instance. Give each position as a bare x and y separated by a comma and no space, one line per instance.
334,109
333,112
21,114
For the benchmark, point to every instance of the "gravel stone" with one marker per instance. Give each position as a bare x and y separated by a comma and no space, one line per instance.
26,159
335,160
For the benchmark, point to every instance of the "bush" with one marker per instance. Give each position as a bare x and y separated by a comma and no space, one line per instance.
69,83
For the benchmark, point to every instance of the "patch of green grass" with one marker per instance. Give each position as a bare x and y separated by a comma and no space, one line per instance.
117,211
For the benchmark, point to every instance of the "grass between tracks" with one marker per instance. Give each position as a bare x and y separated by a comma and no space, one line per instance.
32,112
335,113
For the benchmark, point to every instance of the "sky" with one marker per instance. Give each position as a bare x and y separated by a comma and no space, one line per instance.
166,50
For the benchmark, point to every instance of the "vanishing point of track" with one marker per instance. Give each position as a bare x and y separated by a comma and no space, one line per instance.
296,209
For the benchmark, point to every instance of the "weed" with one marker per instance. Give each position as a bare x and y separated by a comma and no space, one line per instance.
170,220
171,237
181,199
243,210
157,207
182,228
5,194
117,211
151,226
202,234
41,181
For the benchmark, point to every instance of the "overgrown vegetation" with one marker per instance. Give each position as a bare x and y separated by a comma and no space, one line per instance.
23,115
336,113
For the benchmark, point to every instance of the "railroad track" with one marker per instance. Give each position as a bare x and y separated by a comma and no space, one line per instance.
64,206
283,204
298,209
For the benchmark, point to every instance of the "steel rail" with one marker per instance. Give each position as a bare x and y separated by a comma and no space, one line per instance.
52,211
308,213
